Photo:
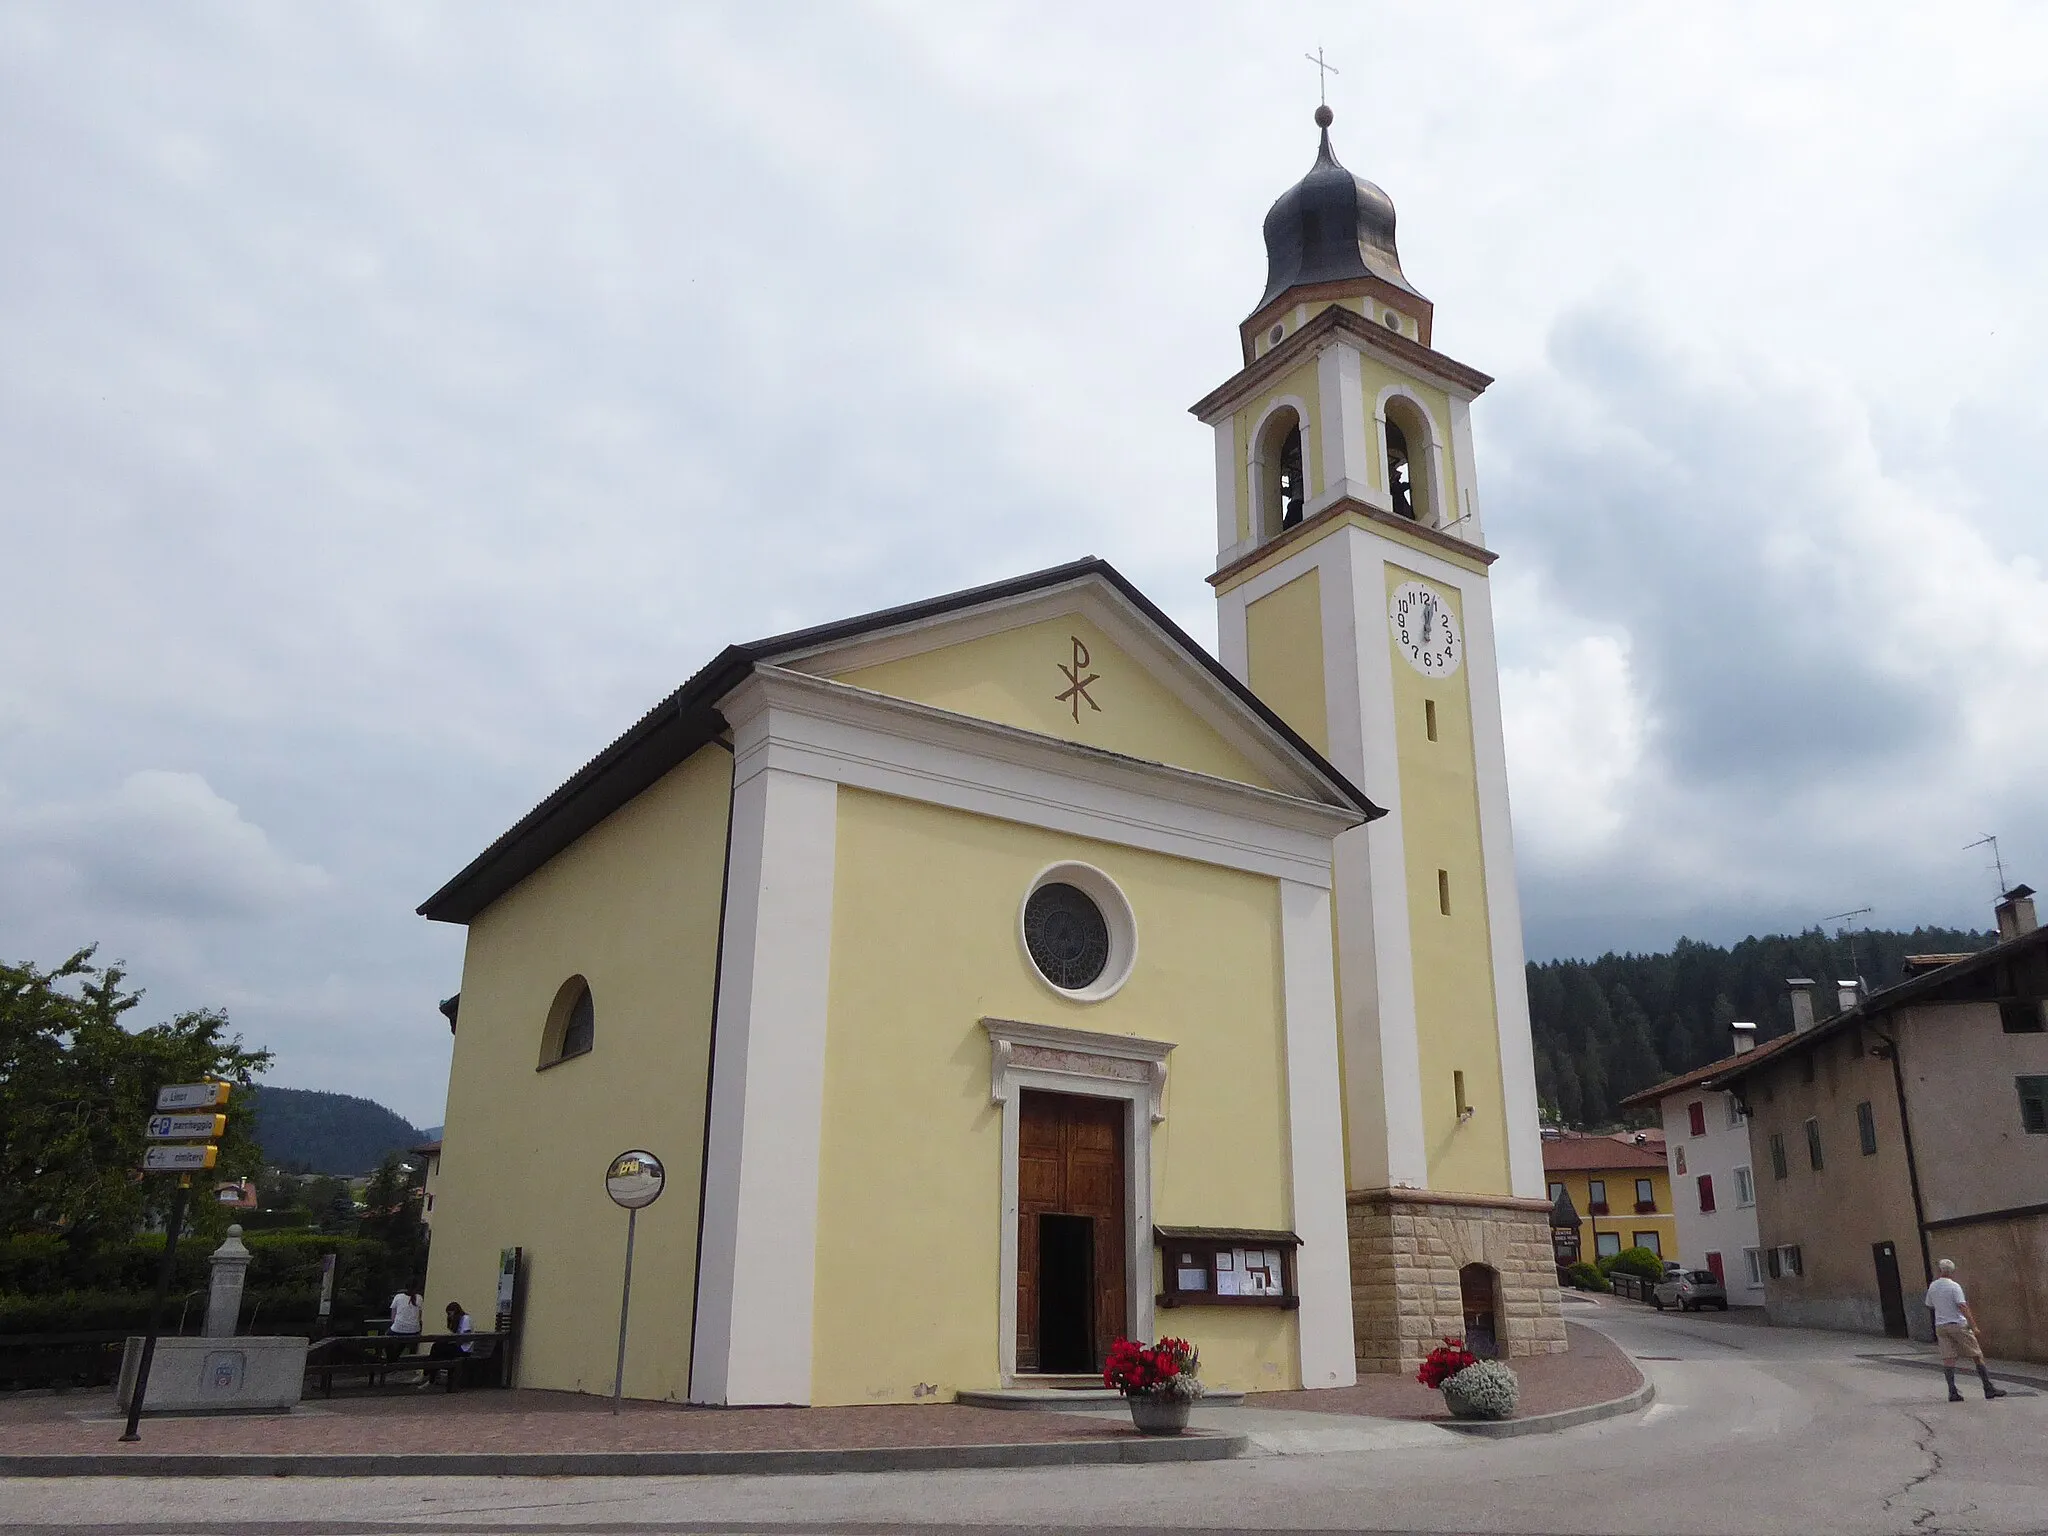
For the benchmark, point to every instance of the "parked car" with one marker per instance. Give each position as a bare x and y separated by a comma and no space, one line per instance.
1689,1290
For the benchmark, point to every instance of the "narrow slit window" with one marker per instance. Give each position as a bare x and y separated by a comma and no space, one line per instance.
1443,891
1458,1090
1429,717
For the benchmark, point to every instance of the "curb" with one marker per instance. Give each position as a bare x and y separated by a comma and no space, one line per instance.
1196,1445
1546,1423
1067,1400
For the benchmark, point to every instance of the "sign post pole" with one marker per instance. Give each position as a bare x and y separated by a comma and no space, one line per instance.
156,1308
625,1300
633,1180
203,1121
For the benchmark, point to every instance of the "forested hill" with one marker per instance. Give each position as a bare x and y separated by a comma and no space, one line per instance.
313,1132
1606,1027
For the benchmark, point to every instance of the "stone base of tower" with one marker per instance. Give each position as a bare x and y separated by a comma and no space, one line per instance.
1407,1249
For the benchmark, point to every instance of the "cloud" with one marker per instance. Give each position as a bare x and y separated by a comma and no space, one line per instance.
1772,673
394,407
161,845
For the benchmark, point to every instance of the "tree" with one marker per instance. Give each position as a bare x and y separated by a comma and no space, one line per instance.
77,1087
1635,1057
391,1212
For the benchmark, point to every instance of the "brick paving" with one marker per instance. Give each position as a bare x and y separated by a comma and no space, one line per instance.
511,1423
1593,1370
508,1423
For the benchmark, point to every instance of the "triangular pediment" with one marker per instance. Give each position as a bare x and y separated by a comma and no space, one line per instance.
1080,662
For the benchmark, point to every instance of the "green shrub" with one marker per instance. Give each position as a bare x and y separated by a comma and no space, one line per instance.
78,1312
1640,1262
1487,1390
275,1221
1586,1277
32,1263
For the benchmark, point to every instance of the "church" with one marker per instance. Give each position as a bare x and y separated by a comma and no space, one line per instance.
1003,974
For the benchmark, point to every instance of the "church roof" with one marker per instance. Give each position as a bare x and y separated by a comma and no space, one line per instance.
1328,227
688,719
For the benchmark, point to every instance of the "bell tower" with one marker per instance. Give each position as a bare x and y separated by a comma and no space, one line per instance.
1352,596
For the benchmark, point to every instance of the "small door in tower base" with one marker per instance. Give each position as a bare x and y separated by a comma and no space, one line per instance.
1071,1296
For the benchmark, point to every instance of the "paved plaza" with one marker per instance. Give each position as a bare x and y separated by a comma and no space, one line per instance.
1753,1430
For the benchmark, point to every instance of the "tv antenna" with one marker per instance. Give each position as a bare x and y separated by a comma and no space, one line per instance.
1996,862
1850,918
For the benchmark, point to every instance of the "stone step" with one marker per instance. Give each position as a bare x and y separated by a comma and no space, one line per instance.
1093,1397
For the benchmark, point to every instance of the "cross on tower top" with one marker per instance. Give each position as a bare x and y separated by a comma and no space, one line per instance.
1323,72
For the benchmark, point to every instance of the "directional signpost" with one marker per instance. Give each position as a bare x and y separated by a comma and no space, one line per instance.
634,1179
192,1096
177,1119
179,1160
187,1127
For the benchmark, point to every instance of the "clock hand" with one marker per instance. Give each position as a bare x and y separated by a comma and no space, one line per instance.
1428,619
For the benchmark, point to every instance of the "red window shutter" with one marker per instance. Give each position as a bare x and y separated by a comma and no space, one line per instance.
1697,1114
1714,1267
1706,1192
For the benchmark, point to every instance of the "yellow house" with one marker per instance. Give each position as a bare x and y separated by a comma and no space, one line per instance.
1003,974
1620,1188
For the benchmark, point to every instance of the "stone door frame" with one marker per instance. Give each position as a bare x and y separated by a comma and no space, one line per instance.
1085,1064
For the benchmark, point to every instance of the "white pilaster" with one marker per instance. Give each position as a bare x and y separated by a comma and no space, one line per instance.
1341,385
1503,897
1381,1047
1228,484
1467,508
1316,1138
758,1260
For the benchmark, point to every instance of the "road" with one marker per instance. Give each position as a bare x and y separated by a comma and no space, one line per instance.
1755,1430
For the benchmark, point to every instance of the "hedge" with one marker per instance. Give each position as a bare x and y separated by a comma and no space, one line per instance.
46,1288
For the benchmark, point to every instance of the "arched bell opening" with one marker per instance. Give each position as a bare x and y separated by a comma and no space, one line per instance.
1411,485
1281,475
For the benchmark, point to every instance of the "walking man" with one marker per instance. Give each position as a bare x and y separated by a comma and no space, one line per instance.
1955,1327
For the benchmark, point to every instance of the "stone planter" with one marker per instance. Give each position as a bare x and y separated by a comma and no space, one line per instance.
1158,1414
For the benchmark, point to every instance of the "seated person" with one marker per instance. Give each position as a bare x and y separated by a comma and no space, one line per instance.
459,1322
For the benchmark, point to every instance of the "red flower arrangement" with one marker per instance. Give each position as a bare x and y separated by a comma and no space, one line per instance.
1138,1370
1444,1362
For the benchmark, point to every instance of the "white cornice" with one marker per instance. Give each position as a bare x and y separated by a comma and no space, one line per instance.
1085,1042
1308,344
868,740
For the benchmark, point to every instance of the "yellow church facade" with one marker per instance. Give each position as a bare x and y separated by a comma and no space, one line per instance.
1002,975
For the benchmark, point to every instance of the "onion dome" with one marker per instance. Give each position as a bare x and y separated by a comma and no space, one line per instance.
1328,227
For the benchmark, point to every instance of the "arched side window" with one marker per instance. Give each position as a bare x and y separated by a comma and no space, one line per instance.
1279,476
1411,463
572,1024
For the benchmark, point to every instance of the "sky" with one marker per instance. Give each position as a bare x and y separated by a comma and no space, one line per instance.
396,400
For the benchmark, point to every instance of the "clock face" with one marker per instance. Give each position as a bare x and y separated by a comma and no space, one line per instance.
1424,630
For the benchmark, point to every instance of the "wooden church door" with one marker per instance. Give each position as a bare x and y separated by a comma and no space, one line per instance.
1070,1232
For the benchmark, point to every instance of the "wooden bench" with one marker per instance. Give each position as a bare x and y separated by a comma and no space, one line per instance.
374,1356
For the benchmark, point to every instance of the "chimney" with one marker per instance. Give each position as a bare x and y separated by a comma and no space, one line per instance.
1847,995
2016,913
1802,1003
1745,1037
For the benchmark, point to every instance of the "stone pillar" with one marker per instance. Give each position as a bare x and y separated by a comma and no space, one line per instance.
1407,1246
224,1295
